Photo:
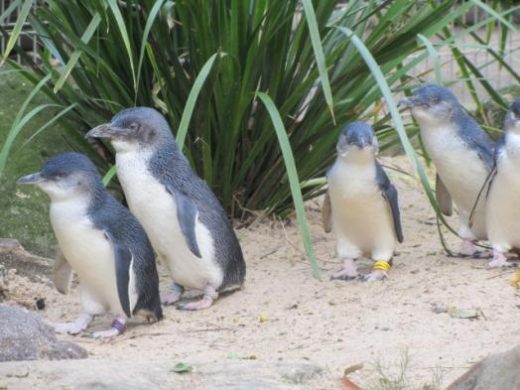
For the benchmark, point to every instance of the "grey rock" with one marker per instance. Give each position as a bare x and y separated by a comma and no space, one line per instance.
500,371
24,336
134,374
9,245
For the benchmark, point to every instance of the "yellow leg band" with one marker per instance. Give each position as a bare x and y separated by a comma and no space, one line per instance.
381,265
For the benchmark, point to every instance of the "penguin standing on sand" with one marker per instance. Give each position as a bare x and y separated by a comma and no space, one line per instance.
361,205
102,242
463,156
503,201
187,225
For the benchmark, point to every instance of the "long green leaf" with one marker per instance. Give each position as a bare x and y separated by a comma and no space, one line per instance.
13,133
20,21
310,17
85,38
294,181
495,14
192,99
124,34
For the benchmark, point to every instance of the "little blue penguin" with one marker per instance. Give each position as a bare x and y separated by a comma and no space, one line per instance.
361,204
102,242
462,154
503,206
187,226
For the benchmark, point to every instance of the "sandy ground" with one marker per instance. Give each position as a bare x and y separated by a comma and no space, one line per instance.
284,314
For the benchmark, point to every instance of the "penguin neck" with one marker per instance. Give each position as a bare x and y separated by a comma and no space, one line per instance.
359,158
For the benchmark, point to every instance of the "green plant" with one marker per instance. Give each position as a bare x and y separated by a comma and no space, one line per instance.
206,64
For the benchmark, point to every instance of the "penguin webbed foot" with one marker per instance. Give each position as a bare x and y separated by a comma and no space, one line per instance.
348,272
499,260
118,327
210,295
469,249
173,295
374,276
74,327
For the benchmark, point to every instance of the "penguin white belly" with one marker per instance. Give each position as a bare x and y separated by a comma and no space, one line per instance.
360,213
155,208
503,205
88,252
462,172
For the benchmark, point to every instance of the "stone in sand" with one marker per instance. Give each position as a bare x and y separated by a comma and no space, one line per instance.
24,336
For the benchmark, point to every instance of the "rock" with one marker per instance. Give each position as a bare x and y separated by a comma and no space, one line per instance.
8,245
137,374
500,371
24,336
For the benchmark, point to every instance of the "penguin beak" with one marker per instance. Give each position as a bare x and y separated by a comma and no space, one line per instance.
35,178
408,102
105,130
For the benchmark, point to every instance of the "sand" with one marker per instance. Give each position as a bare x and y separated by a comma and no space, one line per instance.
284,314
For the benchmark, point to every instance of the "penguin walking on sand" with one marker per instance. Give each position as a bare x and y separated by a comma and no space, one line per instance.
463,156
503,201
361,205
102,242
186,224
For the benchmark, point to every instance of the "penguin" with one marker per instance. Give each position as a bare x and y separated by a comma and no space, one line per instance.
502,205
361,205
187,226
462,154
102,242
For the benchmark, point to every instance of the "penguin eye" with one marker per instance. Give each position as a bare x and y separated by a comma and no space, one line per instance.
434,100
134,126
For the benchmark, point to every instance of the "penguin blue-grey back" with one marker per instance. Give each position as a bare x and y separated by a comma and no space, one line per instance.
362,203
463,156
185,221
102,242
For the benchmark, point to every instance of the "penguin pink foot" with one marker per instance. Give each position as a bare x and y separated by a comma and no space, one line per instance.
348,272
499,260
118,327
210,295
380,270
469,249
74,327
173,295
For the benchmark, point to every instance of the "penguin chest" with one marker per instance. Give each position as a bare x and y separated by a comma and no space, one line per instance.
461,170
359,212
503,211
156,209
88,252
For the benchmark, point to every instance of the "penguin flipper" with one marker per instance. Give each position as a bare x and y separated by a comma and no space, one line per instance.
187,216
61,273
443,197
123,261
326,213
390,194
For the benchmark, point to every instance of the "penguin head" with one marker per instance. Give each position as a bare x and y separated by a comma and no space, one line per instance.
512,119
432,103
357,138
138,128
65,176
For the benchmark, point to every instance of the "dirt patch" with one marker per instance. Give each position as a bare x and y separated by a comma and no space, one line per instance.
283,314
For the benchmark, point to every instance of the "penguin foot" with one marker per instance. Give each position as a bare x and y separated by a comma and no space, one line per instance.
499,260
118,327
468,249
348,272
74,327
210,295
374,276
345,274
173,295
